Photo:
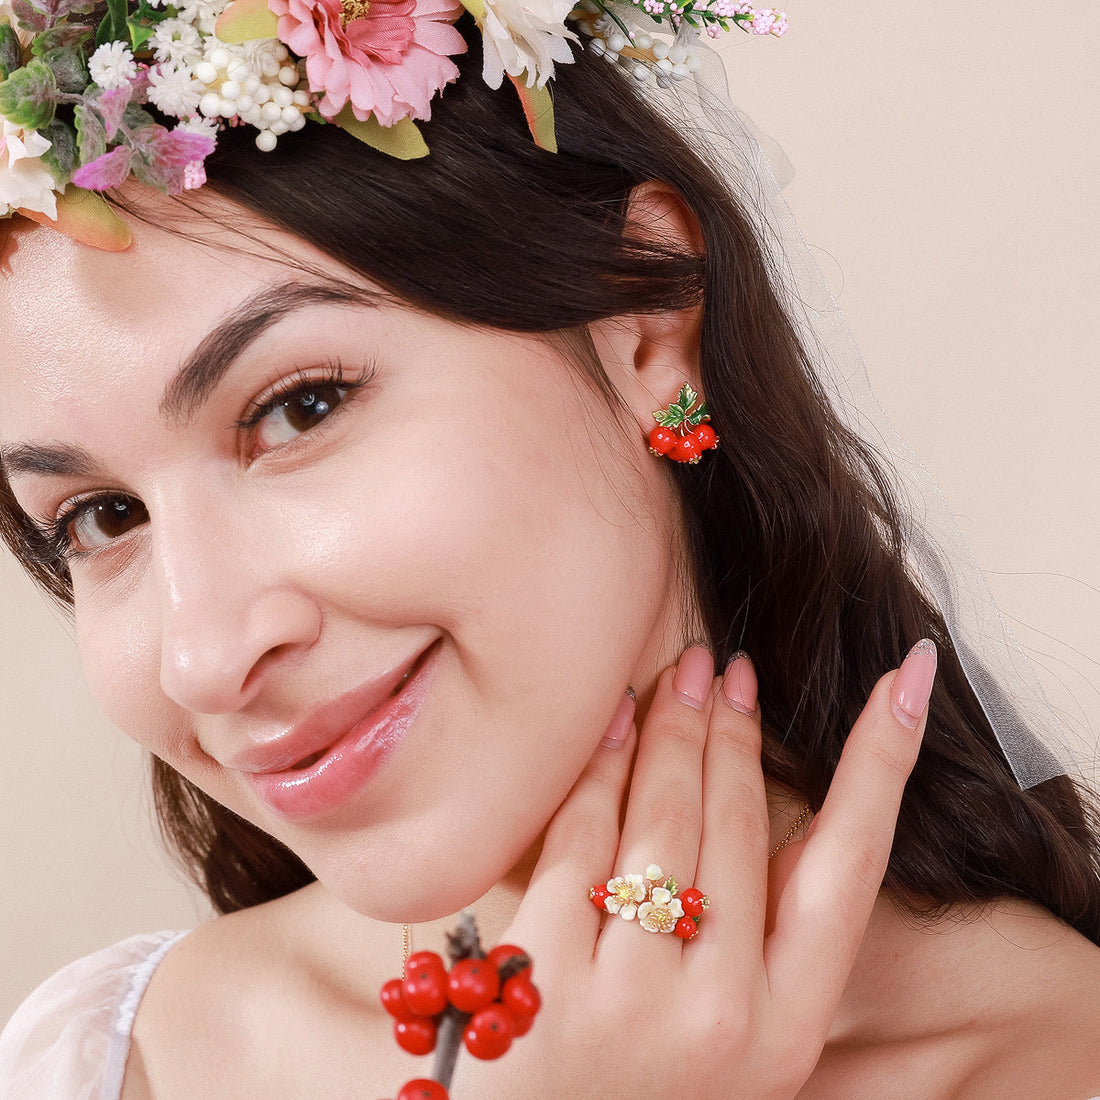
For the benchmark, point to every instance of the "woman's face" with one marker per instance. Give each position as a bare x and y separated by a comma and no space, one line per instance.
373,580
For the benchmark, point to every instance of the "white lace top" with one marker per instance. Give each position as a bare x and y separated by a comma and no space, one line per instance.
70,1038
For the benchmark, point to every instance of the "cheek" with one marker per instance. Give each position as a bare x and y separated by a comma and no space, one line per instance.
120,651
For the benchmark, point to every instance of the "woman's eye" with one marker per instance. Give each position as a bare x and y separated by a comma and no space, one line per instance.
289,415
94,523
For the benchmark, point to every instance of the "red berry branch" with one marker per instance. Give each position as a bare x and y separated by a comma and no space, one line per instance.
483,1003
682,432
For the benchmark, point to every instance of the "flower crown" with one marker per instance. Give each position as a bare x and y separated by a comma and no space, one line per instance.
93,92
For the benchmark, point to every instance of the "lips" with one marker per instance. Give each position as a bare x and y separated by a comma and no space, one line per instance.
317,766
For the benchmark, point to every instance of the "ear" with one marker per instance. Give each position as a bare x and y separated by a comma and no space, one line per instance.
649,356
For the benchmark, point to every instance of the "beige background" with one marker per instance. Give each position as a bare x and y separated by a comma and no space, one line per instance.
947,160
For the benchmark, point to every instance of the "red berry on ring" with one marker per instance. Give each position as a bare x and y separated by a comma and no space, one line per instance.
686,928
598,895
422,1089
661,440
520,996
472,984
694,902
393,1000
489,1033
415,1036
521,1025
706,437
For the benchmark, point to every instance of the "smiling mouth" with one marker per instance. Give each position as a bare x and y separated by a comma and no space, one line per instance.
307,762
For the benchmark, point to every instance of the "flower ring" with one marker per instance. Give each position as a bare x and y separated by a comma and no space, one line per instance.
655,899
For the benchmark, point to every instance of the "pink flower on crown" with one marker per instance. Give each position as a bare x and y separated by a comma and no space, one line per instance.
387,58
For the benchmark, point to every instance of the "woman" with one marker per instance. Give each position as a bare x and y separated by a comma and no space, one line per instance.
423,449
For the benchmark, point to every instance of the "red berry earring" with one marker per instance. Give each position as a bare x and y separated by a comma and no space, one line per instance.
682,432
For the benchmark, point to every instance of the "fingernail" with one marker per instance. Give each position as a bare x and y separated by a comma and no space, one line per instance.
692,678
913,684
739,683
618,729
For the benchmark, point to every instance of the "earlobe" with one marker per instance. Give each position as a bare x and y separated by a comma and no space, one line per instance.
650,356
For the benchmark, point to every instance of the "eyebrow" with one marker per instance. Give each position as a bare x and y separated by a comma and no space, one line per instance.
208,364
201,372
48,460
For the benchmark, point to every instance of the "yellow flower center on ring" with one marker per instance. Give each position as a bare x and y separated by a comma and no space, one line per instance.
351,10
663,919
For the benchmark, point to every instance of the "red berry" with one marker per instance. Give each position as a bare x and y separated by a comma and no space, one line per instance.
661,440
393,1000
489,1034
694,902
686,928
685,450
472,984
521,1025
706,437
424,986
520,997
419,957
599,895
415,1036
422,1089
505,951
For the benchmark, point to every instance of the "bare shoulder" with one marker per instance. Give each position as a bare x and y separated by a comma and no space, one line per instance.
260,1000
1046,986
999,1002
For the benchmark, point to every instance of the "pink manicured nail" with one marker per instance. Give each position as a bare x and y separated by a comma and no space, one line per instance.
692,678
618,729
739,683
913,684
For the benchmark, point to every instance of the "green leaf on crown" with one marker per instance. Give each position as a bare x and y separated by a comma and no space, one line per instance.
142,24
244,20
69,68
402,140
28,97
10,53
112,27
91,134
71,35
538,109
61,157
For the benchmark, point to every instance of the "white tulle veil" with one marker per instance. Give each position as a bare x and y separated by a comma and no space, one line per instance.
754,167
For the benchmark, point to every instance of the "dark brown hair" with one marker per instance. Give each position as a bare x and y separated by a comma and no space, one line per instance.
795,540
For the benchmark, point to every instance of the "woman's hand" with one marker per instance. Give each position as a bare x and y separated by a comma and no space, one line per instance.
745,1008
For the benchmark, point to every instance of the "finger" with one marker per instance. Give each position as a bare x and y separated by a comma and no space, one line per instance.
581,839
828,899
733,857
663,822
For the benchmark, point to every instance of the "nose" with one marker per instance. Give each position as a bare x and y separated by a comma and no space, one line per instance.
232,612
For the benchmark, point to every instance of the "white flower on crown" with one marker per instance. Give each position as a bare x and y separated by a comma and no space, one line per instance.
25,182
525,36
112,65
177,42
173,90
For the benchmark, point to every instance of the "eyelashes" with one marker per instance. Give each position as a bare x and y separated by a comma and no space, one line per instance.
300,403
299,386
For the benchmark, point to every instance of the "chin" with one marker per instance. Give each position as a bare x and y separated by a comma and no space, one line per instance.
408,887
